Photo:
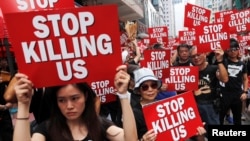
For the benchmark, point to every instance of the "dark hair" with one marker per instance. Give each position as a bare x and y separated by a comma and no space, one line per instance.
234,43
131,69
158,46
58,128
183,45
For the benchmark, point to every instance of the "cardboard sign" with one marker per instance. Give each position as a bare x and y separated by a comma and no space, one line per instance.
239,21
67,45
219,16
195,16
187,37
158,34
183,78
158,61
173,119
210,36
11,6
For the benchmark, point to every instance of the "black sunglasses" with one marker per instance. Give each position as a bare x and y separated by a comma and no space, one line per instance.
233,49
145,87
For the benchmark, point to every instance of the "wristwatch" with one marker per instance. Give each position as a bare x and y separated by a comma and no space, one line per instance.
245,92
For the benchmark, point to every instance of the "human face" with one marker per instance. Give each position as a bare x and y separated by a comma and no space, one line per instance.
233,52
197,58
149,90
71,102
183,53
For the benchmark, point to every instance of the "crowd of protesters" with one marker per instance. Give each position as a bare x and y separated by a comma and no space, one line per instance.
218,80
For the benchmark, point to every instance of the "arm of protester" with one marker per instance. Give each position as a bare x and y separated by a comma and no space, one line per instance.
128,133
137,52
203,90
173,57
9,94
222,73
24,91
164,87
149,136
245,87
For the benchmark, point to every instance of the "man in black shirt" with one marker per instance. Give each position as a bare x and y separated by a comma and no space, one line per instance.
209,75
234,92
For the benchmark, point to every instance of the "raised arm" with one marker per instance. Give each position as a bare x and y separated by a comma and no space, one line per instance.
222,73
137,52
129,132
23,89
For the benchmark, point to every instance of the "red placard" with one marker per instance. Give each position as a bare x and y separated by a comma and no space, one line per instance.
158,35
158,61
187,37
172,43
211,36
244,43
219,16
183,78
173,119
10,6
57,47
239,21
195,16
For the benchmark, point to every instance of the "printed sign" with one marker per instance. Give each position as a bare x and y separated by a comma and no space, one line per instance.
158,61
244,43
11,6
67,45
195,16
183,78
187,37
158,34
173,119
211,36
219,16
239,21
104,90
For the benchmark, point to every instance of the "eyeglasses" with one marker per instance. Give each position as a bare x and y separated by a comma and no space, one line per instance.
145,87
194,56
233,49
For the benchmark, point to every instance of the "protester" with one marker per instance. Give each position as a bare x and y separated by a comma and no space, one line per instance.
183,56
134,98
73,113
131,54
209,75
235,90
147,85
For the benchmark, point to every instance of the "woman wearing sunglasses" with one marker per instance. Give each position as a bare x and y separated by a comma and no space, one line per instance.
148,86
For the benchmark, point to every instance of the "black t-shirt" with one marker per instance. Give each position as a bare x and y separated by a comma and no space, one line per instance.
188,63
208,83
140,120
235,70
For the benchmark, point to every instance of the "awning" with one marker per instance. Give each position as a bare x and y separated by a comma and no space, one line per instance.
128,9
